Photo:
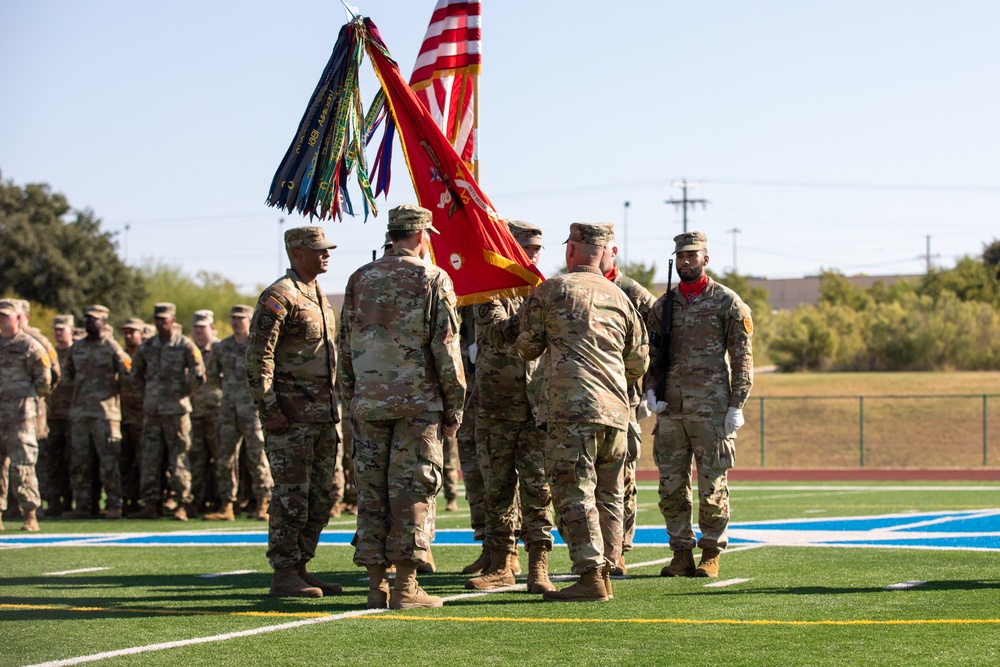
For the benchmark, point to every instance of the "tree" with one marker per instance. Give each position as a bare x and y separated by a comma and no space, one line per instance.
991,257
59,257
640,273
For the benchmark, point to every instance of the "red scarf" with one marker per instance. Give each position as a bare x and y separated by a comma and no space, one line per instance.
692,290
612,273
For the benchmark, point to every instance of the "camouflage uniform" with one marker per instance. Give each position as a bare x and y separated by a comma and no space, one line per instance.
472,474
58,446
98,369
597,346
643,302
129,465
204,424
401,368
167,372
291,361
710,370
238,423
25,375
510,443
41,419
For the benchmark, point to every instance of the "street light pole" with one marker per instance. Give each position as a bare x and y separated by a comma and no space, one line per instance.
734,231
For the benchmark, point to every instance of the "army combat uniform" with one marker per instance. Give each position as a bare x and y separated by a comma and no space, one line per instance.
710,371
597,346
204,423
58,444
132,417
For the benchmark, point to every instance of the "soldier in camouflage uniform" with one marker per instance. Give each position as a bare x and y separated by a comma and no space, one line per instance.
58,445
98,368
25,375
290,367
238,423
511,445
204,415
132,416
643,302
596,346
401,367
168,369
472,475
708,380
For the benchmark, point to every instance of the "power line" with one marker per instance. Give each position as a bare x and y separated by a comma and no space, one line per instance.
684,202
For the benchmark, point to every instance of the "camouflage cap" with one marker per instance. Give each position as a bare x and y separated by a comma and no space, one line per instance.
23,306
411,218
203,317
148,330
311,237
690,241
135,324
525,233
62,322
97,311
9,307
590,233
164,309
241,310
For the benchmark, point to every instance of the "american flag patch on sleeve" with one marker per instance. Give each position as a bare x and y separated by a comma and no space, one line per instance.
274,305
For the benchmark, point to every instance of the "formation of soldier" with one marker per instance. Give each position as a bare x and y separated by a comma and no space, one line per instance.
539,399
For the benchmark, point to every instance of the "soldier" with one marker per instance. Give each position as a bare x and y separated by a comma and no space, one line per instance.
290,366
709,373
25,375
643,302
510,442
238,422
168,369
98,369
401,368
204,414
132,415
58,445
596,347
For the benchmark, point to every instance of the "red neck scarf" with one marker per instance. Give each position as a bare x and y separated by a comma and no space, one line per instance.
612,273
692,290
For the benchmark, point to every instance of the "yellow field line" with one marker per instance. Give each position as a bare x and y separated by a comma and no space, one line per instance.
503,619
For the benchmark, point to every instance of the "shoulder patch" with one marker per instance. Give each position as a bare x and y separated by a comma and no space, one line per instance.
748,325
274,306
52,355
128,364
451,299
197,352
265,321
46,361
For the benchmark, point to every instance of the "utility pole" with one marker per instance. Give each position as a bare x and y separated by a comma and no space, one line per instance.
927,256
127,228
734,231
625,240
684,202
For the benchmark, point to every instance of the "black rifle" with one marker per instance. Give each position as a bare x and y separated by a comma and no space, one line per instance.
663,343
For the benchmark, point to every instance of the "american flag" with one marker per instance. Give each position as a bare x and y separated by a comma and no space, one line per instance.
444,76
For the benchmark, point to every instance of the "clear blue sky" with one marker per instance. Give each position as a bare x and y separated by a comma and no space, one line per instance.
833,135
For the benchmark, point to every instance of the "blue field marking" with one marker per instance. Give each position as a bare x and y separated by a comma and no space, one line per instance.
971,529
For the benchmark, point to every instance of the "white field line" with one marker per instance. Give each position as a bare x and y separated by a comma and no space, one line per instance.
226,574
814,511
945,519
80,571
727,582
903,586
843,487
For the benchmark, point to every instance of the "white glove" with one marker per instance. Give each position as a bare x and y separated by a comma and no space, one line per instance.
734,419
642,410
473,352
655,405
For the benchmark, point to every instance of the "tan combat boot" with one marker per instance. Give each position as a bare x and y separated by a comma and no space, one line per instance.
263,505
590,588
498,574
515,561
428,566
225,513
538,569
452,506
181,513
1,523
480,564
30,521
406,594
286,583
709,565
378,587
682,565
328,588
606,576
620,569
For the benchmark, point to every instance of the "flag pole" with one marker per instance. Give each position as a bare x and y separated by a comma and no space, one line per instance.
475,128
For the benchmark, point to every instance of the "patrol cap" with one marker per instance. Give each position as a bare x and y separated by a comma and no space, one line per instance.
62,322
135,324
312,237
23,306
203,317
148,330
690,241
164,309
241,310
590,233
411,218
525,233
9,307
98,311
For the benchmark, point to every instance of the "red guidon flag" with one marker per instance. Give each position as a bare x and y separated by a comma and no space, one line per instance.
444,76
474,246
